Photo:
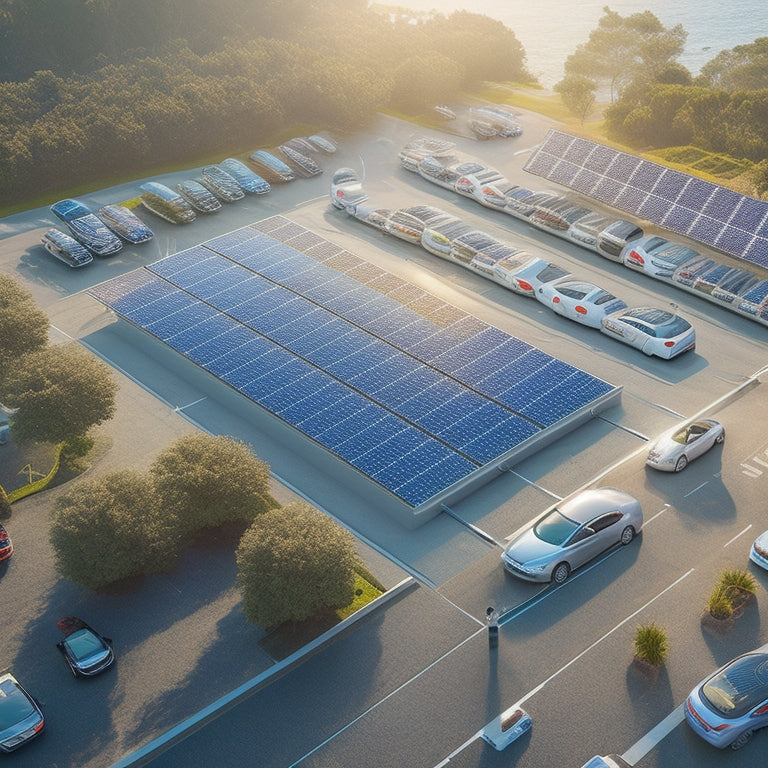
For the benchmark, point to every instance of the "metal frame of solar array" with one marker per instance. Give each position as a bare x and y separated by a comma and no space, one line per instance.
706,212
411,391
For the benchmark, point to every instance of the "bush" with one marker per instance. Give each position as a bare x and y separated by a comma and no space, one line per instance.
719,604
295,563
651,644
737,579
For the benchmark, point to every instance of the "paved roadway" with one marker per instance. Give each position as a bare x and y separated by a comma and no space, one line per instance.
415,683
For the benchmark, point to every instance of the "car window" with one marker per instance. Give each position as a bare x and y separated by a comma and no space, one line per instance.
555,527
604,521
574,293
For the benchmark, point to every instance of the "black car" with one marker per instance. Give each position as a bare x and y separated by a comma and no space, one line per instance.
86,651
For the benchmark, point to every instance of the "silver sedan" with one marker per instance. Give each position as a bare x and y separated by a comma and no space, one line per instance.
572,533
679,446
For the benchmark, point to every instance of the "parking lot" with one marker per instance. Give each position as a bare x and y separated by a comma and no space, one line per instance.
176,635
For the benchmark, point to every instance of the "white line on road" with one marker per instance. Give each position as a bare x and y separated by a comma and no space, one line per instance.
639,750
597,642
189,405
760,461
697,488
751,471
737,536
658,514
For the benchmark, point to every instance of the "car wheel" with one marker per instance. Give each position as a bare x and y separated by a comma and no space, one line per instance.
561,573
682,463
719,439
627,535
742,739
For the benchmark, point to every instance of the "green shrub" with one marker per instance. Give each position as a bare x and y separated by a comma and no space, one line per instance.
651,644
720,605
739,579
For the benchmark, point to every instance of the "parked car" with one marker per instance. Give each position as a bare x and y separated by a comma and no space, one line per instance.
614,238
585,303
679,446
273,168
653,331
87,227
165,203
759,552
125,223
571,533
437,239
198,196
657,256
6,545
323,144
222,184
728,706
86,651
754,301
687,274
20,716
66,249
347,189
584,231
530,275
404,226
734,286
376,217
249,180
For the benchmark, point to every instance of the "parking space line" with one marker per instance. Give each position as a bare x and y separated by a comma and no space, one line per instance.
641,748
697,488
737,536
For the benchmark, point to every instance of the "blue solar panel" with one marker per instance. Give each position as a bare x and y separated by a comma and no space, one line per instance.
358,371
685,204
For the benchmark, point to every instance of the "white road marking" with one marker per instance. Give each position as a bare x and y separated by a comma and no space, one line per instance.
189,405
640,749
760,461
667,507
697,488
737,536
751,471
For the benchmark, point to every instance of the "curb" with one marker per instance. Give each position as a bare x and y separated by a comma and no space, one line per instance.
143,755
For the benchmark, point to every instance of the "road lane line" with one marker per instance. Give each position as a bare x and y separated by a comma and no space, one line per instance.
641,748
667,507
760,461
737,536
597,642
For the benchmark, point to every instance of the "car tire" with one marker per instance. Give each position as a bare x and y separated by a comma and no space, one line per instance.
742,739
719,439
560,573
682,463
627,535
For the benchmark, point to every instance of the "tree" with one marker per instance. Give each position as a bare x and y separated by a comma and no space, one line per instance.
578,95
108,529
206,480
623,49
745,67
60,392
294,563
23,325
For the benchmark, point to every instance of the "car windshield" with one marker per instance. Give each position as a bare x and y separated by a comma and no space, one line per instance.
83,644
14,705
555,527
742,685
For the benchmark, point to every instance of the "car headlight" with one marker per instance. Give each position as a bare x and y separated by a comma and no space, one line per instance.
532,567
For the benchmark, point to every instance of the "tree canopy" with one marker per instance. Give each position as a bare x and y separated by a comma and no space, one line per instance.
294,563
23,325
60,392
206,480
743,68
111,528
626,48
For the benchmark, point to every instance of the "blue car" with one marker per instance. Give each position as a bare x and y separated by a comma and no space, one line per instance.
66,249
249,180
87,227
125,223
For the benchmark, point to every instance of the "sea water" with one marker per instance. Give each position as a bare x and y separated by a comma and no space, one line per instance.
550,30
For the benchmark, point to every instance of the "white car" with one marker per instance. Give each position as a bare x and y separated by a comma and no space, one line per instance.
759,552
679,446
656,256
347,189
485,187
653,331
525,274
582,302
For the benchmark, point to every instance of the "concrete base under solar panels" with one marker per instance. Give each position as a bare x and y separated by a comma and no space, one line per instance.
489,472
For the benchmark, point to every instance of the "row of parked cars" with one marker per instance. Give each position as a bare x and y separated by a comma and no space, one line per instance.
103,233
741,290
652,330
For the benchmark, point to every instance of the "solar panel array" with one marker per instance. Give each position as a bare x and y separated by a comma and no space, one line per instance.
706,212
411,391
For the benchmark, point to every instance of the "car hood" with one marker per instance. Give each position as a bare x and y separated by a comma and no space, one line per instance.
666,446
527,547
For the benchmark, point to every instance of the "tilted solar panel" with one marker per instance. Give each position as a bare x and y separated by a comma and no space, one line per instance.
362,371
685,204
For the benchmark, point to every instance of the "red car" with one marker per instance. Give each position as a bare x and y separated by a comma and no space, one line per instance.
6,546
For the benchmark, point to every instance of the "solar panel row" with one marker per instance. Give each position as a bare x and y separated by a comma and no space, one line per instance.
706,212
358,366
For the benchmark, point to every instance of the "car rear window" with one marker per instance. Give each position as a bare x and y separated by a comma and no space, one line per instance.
742,685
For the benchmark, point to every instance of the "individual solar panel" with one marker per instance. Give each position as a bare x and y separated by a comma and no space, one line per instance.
361,371
685,204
